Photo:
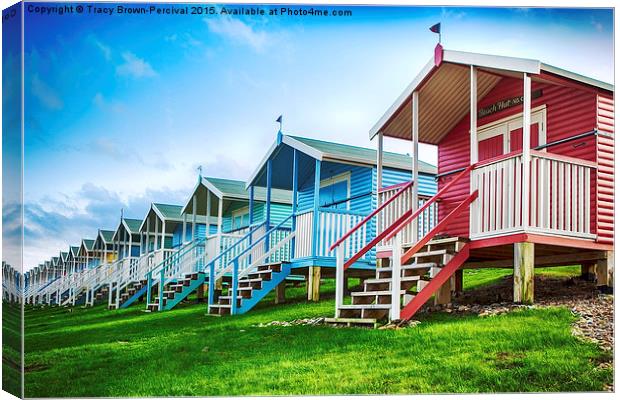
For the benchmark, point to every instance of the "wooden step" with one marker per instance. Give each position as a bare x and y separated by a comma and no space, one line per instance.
264,275
352,321
365,307
409,267
375,293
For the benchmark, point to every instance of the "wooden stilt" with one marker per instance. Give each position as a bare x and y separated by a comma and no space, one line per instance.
314,283
588,271
200,293
281,293
523,278
383,262
218,289
604,269
458,282
444,294
346,288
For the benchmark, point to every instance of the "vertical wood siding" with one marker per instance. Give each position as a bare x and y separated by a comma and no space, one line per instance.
570,112
360,186
279,212
605,173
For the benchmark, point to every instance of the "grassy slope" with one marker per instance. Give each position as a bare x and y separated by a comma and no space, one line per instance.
185,352
11,348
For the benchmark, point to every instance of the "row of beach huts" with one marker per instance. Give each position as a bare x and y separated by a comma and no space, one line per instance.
275,228
524,179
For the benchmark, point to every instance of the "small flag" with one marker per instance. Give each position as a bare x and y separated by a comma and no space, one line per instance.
436,28
279,119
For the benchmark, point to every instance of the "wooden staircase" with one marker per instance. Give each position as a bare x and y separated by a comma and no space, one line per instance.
428,264
130,293
177,290
252,288
374,302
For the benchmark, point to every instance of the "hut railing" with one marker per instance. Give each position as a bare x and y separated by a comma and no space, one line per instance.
560,200
332,225
399,207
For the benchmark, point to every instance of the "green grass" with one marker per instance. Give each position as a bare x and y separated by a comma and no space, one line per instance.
11,348
474,278
94,352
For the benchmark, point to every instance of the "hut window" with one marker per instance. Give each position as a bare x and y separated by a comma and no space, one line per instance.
334,192
241,218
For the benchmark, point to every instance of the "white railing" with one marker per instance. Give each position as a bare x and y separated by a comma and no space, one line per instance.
559,204
397,208
278,237
332,225
225,241
188,258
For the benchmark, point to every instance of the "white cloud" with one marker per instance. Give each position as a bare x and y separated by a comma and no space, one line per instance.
238,32
46,95
597,25
452,14
135,67
101,102
105,50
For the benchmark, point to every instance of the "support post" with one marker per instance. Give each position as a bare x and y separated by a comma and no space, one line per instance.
315,216
208,219
339,278
523,278
379,178
458,282
281,293
314,283
220,207
397,250
194,212
184,234
588,271
473,140
415,103
251,220
527,117
149,287
251,208
473,115
268,203
234,286
294,199
211,298
161,290
604,270
163,236
444,293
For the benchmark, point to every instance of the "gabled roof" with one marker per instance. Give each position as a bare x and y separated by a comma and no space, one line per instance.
132,225
106,236
443,88
231,189
73,250
236,190
168,211
338,152
55,261
165,212
88,244
63,256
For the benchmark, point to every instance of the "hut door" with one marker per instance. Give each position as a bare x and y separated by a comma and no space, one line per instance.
537,131
507,135
516,138
491,142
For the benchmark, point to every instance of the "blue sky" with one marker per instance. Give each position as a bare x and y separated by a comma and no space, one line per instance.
121,110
